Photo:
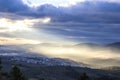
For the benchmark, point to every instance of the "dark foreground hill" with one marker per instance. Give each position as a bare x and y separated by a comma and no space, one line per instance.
44,72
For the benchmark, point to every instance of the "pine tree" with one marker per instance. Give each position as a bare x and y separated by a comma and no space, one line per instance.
0,64
84,76
16,74
3,75
0,69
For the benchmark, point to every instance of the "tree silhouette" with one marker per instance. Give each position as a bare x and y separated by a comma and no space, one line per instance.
16,74
3,75
0,69
84,76
0,64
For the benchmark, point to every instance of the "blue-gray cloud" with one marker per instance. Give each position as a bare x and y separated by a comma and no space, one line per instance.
12,6
83,12
86,32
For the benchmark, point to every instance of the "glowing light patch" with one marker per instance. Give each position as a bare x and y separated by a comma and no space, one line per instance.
46,20
18,25
70,3
4,40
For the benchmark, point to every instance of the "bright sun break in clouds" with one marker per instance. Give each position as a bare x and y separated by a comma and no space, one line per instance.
13,27
17,41
24,32
8,25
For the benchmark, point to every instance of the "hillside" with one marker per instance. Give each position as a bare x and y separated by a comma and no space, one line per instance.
59,72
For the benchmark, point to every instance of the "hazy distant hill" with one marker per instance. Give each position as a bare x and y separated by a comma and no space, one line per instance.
89,45
115,45
15,50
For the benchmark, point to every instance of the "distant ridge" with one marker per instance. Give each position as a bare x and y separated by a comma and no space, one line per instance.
93,45
87,44
114,45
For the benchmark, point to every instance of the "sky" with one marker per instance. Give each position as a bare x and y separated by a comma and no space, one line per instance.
56,3
65,3
57,25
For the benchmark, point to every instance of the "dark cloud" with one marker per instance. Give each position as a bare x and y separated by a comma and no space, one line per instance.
90,12
85,12
87,22
16,7
85,32
12,6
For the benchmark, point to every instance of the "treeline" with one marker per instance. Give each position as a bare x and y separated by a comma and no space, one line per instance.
14,74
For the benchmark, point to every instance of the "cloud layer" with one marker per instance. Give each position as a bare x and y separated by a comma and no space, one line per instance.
86,21
83,12
12,6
